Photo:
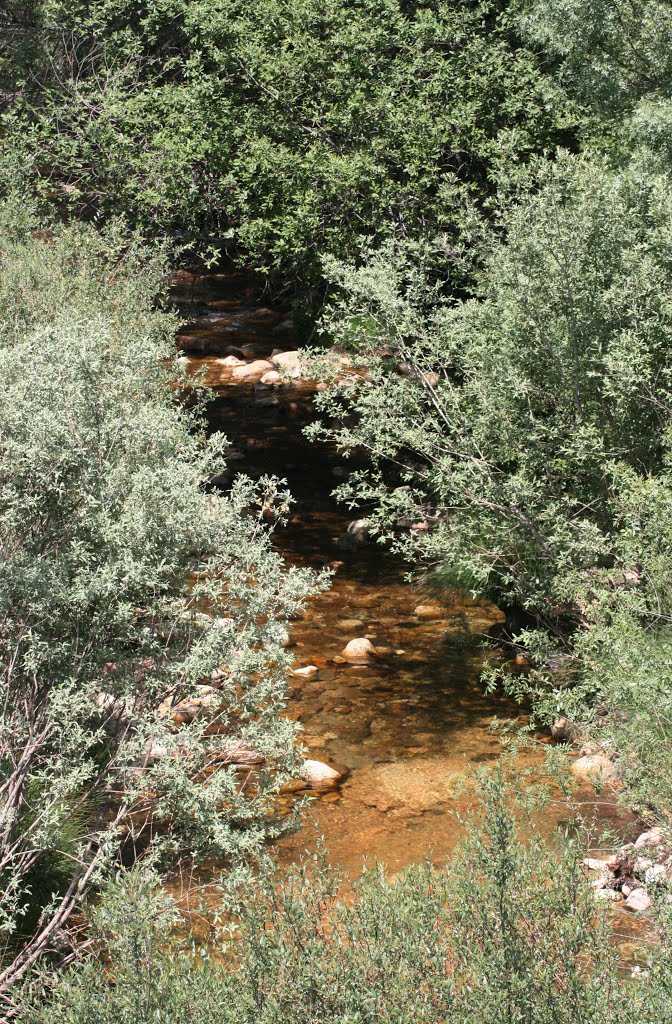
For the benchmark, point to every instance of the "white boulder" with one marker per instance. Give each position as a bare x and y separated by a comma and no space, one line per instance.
230,361
358,650
306,671
638,900
595,768
289,362
318,775
651,838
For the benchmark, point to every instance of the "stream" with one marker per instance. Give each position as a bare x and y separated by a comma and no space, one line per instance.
407,726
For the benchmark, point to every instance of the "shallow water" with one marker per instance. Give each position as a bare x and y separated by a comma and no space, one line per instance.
412,722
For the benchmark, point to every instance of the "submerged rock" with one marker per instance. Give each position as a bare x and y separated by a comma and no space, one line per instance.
378,800
430,611
356,536
252,372
254,349
230,361
306,672
358,650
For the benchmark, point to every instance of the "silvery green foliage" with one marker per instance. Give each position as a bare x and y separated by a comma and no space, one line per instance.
529,428
154,979
124,584
616,57
620,666
613,51
508,932
505,420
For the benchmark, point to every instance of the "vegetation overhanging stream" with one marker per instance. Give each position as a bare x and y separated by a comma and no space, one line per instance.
404,726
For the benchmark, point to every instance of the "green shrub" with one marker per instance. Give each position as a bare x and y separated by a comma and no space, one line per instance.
509,417
290,129
124,585
508,933
529,426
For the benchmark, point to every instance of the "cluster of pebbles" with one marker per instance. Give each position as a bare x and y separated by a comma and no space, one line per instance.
635,872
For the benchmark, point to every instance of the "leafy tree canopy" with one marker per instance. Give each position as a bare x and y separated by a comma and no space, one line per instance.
291,129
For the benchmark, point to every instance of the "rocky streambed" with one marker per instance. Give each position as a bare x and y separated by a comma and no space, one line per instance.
386,680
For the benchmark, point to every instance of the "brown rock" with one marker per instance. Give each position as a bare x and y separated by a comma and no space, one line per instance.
380,801
332,797
563,730
595,768
358,650
430,611
239,752
294,786
252,372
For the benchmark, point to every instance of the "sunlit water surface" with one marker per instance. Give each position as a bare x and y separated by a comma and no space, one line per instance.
410,725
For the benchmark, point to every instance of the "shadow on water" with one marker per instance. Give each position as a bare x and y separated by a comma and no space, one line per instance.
407,725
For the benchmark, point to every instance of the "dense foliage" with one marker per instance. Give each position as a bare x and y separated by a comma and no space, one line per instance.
507,933
513,414
124,586
530,425
482,191
616,53
292,129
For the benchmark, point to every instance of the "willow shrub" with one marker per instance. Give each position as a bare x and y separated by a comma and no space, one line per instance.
615,53
510,416
508,933
124,584
529,428
620,663
290,129
614,56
